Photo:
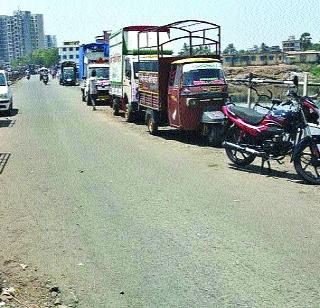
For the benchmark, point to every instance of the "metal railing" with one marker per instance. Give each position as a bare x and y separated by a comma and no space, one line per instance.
305,83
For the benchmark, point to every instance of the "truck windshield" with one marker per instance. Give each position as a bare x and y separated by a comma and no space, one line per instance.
196,74
68,73
102,72
2,80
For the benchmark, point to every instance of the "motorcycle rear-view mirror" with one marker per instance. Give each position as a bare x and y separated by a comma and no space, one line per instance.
295,80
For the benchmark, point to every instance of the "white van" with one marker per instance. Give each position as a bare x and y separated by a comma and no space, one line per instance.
5,95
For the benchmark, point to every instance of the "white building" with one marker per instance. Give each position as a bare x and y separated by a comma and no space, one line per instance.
69,51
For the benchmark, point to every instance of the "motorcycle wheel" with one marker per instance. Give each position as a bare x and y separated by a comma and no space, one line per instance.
307,164
239,158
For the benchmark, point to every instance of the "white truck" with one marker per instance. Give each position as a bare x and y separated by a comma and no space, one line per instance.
124,66
103,83
94,57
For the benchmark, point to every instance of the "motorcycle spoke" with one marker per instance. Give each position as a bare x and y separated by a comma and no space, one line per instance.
306,166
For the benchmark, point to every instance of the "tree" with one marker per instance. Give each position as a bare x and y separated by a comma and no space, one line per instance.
42,57
185,50
316,46
230,50
305,41
203,50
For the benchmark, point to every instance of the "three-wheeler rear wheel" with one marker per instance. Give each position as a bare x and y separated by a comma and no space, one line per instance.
215,135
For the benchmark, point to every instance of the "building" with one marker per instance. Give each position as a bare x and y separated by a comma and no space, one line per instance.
256,59
4,40
20,35
69,51
50,41
309,56
291,44
37,31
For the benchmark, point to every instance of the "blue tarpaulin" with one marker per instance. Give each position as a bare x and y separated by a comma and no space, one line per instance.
90,47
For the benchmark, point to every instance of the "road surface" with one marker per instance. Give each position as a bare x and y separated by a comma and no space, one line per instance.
127,219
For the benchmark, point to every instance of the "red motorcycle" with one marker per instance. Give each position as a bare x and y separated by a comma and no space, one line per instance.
283,130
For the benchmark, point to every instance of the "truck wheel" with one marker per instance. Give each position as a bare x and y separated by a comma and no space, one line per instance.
128,114
83,97
115,106
152,126
215,135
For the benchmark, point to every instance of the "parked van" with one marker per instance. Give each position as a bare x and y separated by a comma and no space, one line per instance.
5,94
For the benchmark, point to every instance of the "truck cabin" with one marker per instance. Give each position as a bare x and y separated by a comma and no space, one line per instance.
102,72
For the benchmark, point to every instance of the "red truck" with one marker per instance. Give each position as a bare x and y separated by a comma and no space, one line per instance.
185,91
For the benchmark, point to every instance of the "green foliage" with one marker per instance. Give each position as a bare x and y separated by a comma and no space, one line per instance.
185,50
42,57
305,40
230,50
198,51
316,46
315,71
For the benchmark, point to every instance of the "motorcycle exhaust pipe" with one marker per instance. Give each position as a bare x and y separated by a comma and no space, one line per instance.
243,149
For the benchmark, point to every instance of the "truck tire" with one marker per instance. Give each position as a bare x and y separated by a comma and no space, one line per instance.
128,114
115,106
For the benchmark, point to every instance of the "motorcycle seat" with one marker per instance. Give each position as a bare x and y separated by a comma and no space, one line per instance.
248,115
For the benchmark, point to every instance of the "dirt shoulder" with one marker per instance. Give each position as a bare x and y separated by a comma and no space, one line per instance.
23,286
281,72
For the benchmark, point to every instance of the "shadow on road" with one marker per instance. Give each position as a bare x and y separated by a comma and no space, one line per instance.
289,175
7,123
14,112
4,157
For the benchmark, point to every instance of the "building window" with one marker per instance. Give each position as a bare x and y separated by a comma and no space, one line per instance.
253,58
70,48
271,58
64,49
70,56
64,57
77,56
262,58
77,48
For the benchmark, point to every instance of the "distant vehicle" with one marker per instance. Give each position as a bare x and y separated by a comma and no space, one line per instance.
6,99
68,73
45,78
42,71
94,56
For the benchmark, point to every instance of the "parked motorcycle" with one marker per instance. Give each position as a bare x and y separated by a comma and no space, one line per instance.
283,130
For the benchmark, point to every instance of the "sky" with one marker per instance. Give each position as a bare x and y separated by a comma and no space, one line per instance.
243,22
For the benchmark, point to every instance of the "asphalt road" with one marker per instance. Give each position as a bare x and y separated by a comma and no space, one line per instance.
126,219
